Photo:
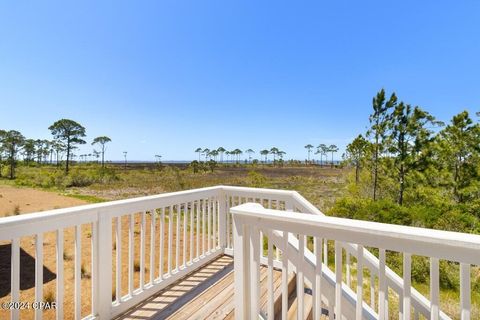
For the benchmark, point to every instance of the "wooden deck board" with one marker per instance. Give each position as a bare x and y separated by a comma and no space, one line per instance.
207,293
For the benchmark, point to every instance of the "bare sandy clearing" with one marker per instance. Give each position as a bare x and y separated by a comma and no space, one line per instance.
26,200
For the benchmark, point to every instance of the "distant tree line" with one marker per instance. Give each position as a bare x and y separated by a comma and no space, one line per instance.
67,135
222,155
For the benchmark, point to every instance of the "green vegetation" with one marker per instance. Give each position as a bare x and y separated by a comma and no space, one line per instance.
415,170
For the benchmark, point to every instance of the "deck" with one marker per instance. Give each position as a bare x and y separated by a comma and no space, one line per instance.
206,293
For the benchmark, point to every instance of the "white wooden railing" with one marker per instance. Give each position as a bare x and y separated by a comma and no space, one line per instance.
292,229
157,240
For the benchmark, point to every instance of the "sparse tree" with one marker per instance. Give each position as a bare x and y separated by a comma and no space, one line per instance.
249,152
13,142
333,149
355,152
221,150
102,141
199,151
265,153
309,148
379,120
70,133
322,150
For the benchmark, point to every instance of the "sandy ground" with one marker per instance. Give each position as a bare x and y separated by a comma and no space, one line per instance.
30,200
26,200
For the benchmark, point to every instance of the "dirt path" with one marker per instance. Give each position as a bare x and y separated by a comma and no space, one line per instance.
25,200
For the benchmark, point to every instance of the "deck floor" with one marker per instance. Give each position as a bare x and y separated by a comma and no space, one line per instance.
206,293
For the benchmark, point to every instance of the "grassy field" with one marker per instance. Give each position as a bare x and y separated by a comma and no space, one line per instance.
321,186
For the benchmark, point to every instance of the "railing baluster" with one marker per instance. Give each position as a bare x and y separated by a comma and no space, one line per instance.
372,290
152,244
214,227
300,283
191,228
131,253
285,276
15,276
209,230
118,246
59,268
197,214
94,267
407,285
38,273
78,270
142,250
170,239
317,288
347,267
338,280
382,285
434,289
465,293
325,252
162,246
229,224
255,273
359,307
270,278
184,260
177,237
204,232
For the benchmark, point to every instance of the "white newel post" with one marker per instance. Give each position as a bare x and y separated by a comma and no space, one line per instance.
222,220
241,264
104,256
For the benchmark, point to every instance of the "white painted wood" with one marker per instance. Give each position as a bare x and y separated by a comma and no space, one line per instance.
214,223
177,236
170,240
191,228
285,277
372,290
118,255
359,306
38,273
131,253
94,267
300,279
382,285
325,252
197,212
204,232
151,266
142,249
254,273
15,277
60,278
78,275
162,245
242,270
104,256
228,218
434,289
184,245
270,292
465,291
407,283
317,288
209,222
338,279
347,267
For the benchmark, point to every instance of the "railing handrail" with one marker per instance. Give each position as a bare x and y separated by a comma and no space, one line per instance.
454,246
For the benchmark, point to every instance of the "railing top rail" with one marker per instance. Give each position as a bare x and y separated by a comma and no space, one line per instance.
30,223
455,246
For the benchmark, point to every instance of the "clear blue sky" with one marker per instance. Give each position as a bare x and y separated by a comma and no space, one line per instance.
166,77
